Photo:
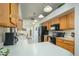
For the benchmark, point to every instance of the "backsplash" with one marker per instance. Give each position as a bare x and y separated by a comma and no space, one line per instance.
68,33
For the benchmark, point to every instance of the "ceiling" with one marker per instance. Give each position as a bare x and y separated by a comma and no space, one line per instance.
33,10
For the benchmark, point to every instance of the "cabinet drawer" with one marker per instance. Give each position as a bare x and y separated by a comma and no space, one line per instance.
65,46
68,47
59,40
59,43
69,42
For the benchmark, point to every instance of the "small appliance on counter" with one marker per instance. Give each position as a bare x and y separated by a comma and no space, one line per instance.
56,34
60,34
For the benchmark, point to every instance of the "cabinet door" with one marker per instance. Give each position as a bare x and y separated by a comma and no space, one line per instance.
70,20
55,21
49,24
19,24
14,13
1,13
63,22
4,14
52,21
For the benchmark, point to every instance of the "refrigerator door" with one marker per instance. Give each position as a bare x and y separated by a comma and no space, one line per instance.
41,32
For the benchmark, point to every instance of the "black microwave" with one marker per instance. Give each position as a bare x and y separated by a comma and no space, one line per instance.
55,27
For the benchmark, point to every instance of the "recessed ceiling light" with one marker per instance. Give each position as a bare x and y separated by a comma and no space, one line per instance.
48,9
35,21
40,16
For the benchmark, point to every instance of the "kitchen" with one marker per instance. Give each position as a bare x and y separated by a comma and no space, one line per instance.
61,29
57,28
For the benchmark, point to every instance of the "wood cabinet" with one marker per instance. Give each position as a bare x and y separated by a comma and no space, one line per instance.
55,21
66,44
66,21
63,22
8,14
4,14
14,13
70,20
52,21
19,24
46,24
49,24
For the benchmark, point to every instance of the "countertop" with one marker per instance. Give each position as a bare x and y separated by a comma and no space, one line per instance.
67,38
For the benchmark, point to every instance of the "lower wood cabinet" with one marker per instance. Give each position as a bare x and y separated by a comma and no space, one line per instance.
66,44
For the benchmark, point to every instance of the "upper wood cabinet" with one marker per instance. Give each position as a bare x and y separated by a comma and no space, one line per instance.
14,13
55,21
67,21
14,10
52,21
19,24
63,22
8,14
70,20
46,24
4,14
49,24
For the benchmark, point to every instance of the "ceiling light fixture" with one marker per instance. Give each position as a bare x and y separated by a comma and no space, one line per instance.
48,9
35,21
40,16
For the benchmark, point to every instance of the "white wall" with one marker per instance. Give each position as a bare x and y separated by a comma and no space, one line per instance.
77,29
27,24
35,33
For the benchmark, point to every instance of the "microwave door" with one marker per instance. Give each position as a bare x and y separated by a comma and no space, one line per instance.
52,28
